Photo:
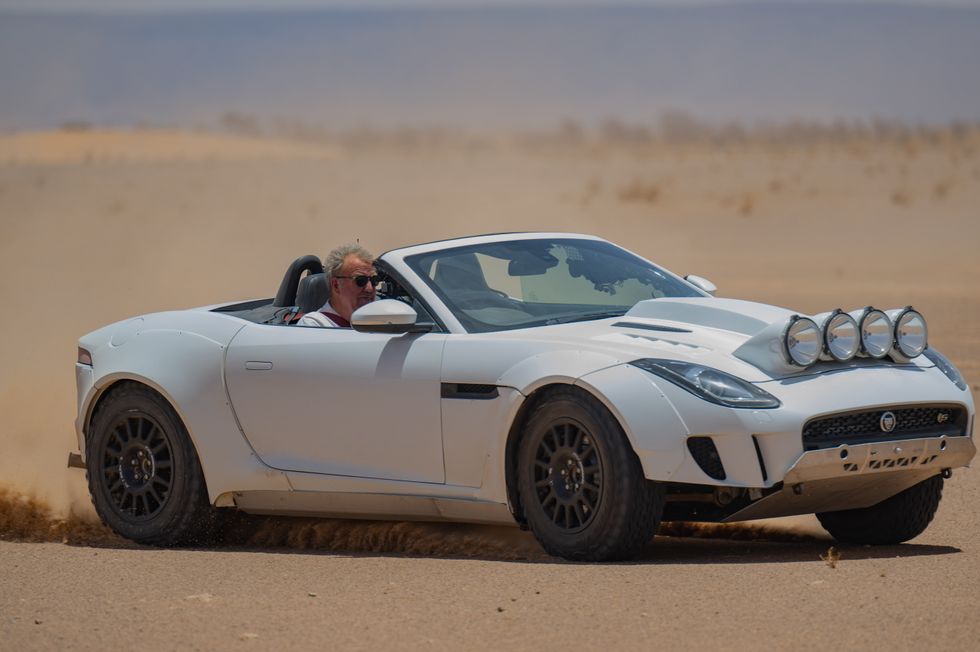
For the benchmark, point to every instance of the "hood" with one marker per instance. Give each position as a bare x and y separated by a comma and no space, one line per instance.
756,329
743,338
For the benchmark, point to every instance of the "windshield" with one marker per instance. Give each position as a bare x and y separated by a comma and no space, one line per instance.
506,285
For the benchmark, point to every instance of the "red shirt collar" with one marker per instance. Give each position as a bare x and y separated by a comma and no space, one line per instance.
337,319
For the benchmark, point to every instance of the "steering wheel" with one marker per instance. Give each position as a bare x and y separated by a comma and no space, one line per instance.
489,298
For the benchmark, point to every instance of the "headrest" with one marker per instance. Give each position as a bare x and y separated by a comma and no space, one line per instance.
313,292
460,272
286,296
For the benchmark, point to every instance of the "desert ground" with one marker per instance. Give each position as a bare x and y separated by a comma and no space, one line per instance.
96,226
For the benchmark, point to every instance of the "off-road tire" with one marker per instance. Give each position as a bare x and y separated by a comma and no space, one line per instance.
620,518
143,473
894,520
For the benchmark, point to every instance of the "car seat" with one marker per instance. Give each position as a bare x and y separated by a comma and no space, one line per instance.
313,292
286,296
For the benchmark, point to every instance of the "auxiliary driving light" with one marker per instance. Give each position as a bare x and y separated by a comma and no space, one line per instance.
840,336
911,332
802,341
876,332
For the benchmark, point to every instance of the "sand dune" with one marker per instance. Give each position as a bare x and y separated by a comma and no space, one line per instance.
96,226
76,146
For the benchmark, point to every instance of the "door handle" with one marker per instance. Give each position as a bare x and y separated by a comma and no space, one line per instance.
258,365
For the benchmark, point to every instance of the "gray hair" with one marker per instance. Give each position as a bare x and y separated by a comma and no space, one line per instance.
334,262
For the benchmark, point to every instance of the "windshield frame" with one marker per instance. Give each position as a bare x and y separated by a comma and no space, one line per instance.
412,260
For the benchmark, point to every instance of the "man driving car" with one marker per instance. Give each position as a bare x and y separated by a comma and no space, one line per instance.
352,282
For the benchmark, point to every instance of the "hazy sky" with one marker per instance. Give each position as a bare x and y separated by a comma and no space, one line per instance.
734,60
179,5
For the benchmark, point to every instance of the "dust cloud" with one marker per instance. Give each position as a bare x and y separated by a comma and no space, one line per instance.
23,518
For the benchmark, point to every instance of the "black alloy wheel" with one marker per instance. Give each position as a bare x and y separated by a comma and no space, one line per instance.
568,475
137,465
143,473
581,486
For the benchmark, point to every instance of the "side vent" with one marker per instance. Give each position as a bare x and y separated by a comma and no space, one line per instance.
469,391
706,455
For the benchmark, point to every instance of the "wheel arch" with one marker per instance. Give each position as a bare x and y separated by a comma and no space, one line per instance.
112,384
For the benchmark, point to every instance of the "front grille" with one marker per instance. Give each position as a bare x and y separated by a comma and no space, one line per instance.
865,426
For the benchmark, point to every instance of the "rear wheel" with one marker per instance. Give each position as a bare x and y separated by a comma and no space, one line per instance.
143,472
897,519
581,485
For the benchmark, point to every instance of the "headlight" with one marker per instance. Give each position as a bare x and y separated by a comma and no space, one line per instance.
840,336
911,333
876,332
710,384
945,366
802,341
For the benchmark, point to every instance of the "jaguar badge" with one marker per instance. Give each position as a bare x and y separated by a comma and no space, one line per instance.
888,422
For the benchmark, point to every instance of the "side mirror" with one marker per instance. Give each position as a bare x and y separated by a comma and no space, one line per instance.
387,316
702,283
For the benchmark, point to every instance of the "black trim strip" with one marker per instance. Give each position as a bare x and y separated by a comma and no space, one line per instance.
762,462
470,391
651,327
244,305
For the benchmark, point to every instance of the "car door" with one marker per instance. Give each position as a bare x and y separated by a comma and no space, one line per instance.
336,401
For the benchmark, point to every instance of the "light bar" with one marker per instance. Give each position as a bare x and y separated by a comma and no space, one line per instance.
910,331
840,336
876,332
802,341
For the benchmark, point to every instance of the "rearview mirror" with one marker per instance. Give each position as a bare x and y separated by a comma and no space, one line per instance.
531,265
702,283
387,316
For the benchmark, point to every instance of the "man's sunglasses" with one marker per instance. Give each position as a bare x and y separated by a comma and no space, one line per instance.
362,279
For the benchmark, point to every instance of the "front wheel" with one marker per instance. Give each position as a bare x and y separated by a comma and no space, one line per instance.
581,485
894,520
143,472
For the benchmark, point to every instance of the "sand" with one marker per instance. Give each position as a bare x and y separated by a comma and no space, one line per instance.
98,226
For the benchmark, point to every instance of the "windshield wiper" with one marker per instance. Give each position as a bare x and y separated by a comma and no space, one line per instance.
605,314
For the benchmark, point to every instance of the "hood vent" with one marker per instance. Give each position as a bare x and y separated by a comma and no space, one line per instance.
651,327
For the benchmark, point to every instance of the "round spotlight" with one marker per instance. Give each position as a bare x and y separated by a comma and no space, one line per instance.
802,341
911,333
876,333
840,336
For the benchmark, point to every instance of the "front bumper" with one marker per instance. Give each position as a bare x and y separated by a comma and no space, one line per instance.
856,476
778,432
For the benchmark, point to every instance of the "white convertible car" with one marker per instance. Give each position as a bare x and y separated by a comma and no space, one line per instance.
553,381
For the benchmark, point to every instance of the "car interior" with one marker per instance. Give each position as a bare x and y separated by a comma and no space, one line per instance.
304,289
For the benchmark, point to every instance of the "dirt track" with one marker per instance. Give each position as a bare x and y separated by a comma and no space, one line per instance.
96,233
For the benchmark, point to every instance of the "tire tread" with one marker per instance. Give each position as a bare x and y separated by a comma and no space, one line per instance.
634,519
192,524
894,520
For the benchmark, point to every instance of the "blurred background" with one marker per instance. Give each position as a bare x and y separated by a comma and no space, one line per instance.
162,155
